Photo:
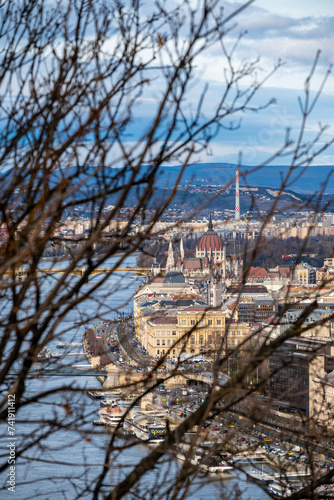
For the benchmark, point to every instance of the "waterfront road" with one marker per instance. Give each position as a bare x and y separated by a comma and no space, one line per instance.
129,344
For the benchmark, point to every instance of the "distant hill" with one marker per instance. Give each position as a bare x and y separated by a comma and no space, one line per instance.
301,181
219,174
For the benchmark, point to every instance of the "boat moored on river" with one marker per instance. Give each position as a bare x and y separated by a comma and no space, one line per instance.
44,354
146,427
96,394
112,415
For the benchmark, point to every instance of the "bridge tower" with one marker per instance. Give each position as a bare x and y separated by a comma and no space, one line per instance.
112,379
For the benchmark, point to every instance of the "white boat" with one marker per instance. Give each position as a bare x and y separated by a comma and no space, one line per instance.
260,475
146,427
114,393
126,402
96,394
44,354
279,489
108,402
112,415
98,422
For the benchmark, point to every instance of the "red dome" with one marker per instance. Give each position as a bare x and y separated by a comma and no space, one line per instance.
210,241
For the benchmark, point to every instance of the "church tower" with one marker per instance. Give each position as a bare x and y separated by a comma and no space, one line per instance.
170,265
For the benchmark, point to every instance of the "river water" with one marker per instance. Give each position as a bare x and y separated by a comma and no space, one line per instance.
66,459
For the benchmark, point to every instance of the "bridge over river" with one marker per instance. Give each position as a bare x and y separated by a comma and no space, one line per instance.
80,271
56,370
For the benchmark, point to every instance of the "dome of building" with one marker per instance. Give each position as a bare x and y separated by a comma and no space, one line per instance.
210,241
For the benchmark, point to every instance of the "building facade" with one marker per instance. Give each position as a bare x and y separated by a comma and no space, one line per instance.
190,330
293,368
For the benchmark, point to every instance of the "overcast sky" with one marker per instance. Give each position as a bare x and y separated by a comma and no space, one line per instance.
293,31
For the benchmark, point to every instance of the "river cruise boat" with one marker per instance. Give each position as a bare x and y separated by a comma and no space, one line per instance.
280,490
96,394
112,415
108,402
146,427
98,422
126,402
114,393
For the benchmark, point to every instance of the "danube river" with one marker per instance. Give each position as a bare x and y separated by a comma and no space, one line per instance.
66,459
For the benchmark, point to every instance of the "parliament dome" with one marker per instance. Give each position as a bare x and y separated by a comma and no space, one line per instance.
210,241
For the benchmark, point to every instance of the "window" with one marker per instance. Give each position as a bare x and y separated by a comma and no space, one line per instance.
184,322
192,322
158,341
174,351
168,332
192,339
163,342
158,332
163,332
209,321
173,333
201,340
210,339
158,351
168,341
219,321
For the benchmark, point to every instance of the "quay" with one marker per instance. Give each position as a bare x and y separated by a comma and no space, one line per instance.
62,345
60,354
268,477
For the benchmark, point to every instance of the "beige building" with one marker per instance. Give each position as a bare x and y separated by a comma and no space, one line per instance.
329,262
325,276
191,330
304,274
161,336
201,328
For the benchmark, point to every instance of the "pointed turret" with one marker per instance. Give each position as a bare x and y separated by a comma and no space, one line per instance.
210,227
170,265
181,250
224,262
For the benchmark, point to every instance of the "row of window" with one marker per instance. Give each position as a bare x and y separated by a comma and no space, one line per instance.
165,332
233,342
163,342
193,322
